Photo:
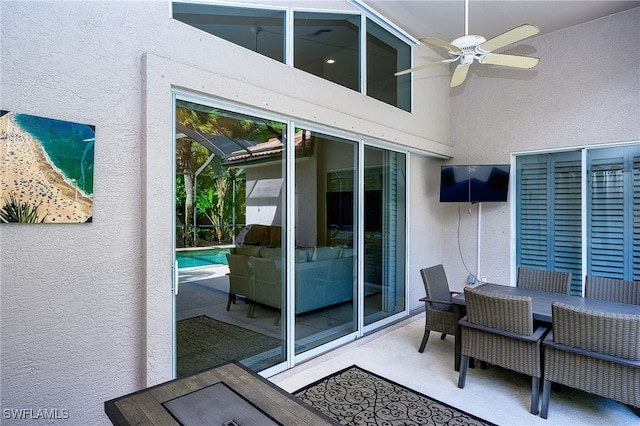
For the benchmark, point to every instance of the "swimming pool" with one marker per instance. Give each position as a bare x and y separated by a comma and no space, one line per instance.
204,257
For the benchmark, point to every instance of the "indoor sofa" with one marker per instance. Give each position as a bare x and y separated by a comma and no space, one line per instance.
324,276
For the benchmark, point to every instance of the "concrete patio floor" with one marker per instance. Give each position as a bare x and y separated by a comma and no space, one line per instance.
497,395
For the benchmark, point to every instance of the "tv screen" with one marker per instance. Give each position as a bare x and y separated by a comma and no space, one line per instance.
474,183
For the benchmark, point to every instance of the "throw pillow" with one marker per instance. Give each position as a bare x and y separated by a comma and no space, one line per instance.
248,250
301,255
346,252
271,252
326,253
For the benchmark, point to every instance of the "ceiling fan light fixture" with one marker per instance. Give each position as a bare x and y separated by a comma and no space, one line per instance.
466,59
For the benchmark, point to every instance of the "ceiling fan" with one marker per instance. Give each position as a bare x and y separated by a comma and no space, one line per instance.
468,48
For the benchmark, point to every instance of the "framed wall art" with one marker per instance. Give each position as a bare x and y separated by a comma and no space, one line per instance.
47,170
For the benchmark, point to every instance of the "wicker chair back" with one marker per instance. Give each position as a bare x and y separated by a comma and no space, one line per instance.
606,333
436,286
505,312
542,280
612,289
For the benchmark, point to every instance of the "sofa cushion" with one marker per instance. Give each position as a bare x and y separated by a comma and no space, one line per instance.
326,253
271,252
248,250
301,255
346,252
311,251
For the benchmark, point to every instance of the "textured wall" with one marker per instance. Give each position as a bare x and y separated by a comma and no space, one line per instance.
583,92
71,301
86,309
425,232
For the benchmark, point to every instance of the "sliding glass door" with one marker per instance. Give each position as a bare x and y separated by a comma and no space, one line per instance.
384,233
229,239
578,211
326,223
273,269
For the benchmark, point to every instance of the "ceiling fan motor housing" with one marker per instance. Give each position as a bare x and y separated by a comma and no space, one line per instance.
468,43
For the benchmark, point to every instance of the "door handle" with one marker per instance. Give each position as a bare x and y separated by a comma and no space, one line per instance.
176,283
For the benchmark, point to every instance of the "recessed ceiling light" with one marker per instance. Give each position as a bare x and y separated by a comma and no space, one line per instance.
331,61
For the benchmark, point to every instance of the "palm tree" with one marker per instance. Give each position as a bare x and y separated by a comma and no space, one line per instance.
14,211
190,155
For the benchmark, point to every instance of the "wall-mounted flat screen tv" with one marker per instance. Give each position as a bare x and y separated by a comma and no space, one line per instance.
474,183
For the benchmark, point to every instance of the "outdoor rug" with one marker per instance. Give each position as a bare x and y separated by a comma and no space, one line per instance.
203,343
355,396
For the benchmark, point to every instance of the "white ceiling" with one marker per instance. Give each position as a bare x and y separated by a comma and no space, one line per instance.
445,19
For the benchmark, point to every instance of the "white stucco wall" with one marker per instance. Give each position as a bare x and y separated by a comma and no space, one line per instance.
425,216
583,92
86,309
265,195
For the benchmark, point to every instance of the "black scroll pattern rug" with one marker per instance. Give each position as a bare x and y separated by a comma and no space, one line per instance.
355,396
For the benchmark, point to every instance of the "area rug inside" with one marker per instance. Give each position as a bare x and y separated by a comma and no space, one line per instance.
203,342
355,396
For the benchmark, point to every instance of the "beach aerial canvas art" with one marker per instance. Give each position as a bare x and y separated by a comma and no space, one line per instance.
47,170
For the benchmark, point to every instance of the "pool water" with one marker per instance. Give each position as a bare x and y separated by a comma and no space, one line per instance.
194,258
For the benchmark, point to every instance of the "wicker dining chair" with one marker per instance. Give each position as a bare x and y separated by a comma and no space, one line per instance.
438,306
499,329
612,289
542,280
596,352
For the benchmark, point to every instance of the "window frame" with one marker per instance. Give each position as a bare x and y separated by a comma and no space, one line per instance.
292,358
359,8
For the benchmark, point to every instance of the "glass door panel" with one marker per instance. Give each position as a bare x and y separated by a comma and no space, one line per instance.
384,233
325,268
229,239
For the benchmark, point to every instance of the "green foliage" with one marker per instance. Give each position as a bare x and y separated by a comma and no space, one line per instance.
205,201
215,201
212,194
14,211
181,194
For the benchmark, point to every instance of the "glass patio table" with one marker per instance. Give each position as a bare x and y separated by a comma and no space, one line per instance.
540,304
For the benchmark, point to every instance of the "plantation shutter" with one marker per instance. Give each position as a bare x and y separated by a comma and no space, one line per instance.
532,211
614,210
548,213
393,224
567,214
389,226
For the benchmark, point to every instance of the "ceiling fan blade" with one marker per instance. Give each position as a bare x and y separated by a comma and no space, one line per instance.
511,36
441,44
421,67
459,75
510,60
